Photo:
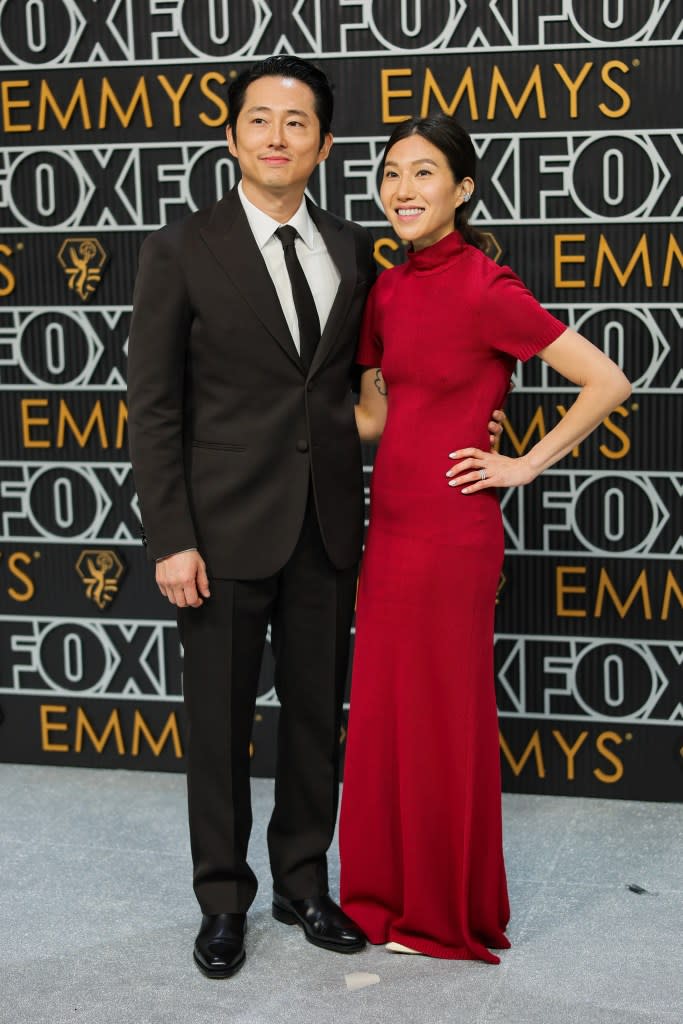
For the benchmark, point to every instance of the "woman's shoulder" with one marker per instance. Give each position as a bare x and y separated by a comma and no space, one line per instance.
485,266
490,279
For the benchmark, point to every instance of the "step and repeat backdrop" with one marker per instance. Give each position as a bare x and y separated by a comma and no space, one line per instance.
113,118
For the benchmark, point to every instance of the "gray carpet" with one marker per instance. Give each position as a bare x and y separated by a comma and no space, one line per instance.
98,919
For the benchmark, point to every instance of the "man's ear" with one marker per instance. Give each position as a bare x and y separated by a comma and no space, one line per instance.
325,148
232,147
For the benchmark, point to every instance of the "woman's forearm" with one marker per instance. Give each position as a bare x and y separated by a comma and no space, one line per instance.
369,427
592,405
371,410
603,388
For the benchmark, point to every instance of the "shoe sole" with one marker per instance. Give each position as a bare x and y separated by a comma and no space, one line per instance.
287,917
218,975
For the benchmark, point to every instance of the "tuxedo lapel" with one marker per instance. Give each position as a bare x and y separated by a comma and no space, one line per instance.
233,245
339,240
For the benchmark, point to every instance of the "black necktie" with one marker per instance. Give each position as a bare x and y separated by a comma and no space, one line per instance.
306,313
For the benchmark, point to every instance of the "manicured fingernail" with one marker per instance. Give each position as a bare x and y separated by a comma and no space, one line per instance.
452,483
451,472
453,455
465,490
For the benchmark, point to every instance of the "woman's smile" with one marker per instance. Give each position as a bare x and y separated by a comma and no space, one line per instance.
418,191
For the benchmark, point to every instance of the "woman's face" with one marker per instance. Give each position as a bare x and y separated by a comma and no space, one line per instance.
419,193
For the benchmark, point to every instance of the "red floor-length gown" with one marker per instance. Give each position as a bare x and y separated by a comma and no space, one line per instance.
420,832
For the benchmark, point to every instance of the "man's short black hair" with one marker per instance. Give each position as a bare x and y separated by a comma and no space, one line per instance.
284,66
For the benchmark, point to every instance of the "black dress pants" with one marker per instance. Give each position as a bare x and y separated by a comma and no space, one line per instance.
309,605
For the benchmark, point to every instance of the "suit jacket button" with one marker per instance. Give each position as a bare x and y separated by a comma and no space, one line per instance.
302,446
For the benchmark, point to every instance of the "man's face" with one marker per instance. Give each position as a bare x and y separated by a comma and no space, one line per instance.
277,141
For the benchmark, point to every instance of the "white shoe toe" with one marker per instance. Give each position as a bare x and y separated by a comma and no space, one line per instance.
398,947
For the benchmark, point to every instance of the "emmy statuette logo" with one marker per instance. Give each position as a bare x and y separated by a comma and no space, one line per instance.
82,260
101,572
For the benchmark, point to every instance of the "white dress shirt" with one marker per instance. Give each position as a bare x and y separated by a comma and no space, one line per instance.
321,273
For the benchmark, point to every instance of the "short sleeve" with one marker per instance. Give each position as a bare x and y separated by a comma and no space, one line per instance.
512,320
370,348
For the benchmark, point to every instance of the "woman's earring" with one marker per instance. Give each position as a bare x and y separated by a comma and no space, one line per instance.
466,196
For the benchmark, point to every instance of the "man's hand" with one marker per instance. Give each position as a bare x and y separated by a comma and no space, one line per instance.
496,426
182,579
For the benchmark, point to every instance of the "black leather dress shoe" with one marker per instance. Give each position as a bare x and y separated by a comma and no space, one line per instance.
324,923
219,946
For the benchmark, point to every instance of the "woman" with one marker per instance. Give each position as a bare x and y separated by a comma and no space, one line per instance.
420,836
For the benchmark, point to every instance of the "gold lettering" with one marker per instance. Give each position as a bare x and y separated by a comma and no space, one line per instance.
466,86
29,585
560,258
8,105
28,421
605,586
617,65
616,453
388,94
499,85
6,273
121,421
570,752
673,249
537,424
573,85
609,453
384,243
78,99
175,95
47,726
562,588
140,728
109,98
83,726
670,587
641,251
216,99
610,756
534,745
96,419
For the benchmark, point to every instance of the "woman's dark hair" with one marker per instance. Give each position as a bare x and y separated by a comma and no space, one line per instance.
285,66
453,141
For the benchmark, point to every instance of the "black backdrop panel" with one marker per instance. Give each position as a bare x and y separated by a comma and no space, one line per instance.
112,116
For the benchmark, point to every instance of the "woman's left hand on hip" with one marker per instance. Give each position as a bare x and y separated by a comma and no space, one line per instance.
478,470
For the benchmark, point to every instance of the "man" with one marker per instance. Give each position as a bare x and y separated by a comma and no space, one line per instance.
248,468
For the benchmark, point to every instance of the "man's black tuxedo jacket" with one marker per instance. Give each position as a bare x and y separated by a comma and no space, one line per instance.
226,429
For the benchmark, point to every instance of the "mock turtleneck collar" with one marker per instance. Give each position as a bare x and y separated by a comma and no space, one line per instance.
438,255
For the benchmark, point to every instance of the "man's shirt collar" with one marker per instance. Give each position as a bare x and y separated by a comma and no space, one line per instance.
263,226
